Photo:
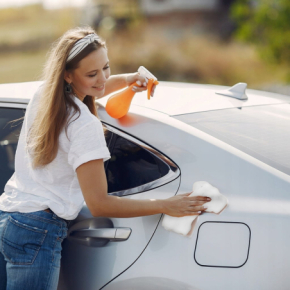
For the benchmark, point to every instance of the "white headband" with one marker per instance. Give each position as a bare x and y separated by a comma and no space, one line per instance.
81,44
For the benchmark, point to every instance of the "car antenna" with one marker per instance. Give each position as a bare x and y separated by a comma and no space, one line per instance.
237,91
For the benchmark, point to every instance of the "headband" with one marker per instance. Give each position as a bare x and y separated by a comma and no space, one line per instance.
82,44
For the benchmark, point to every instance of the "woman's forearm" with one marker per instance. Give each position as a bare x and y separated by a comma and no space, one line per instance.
115,83
118,82
113,206
93,183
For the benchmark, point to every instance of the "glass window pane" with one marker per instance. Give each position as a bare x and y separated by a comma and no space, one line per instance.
9,134
131,166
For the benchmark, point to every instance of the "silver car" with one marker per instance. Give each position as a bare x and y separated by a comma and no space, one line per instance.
238,140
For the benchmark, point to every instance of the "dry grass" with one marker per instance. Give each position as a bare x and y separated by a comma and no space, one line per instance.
21,67
192,59
32,24
171,56
25,37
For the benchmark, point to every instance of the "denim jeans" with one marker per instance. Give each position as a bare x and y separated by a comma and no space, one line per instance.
30,250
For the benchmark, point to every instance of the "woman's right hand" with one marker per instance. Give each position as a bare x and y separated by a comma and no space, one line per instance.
183,205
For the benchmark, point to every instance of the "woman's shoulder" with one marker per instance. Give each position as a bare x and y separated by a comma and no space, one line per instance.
85,114
82,119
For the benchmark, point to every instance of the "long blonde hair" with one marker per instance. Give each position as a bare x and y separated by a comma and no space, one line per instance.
55,105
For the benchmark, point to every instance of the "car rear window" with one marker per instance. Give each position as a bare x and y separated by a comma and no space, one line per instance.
9,133
261,131
131,166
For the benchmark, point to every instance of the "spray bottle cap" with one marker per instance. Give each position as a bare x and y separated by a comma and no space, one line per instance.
150,78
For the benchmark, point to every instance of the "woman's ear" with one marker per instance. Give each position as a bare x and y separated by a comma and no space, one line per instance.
67,77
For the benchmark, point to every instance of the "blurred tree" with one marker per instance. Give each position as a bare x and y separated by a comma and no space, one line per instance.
267,24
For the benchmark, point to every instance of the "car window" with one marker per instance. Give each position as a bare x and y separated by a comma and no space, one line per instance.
132,166
9,134
260,131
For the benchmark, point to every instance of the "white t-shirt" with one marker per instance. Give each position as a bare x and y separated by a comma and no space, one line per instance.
55,185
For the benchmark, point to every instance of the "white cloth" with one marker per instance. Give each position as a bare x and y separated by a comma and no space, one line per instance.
184,225
56,185
82,44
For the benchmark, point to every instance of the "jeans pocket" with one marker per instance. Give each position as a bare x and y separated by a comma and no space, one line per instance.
21,243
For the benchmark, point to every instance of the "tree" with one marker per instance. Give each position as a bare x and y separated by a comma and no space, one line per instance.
265,23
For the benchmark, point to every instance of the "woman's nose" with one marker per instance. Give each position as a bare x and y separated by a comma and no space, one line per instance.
103,77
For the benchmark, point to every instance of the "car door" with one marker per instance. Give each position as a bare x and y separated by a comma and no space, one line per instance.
98,250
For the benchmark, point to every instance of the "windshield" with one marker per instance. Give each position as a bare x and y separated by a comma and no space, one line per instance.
261,131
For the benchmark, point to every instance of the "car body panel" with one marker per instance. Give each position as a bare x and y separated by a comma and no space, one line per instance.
266,268
20,93
91,268
145,283
258,210
258,195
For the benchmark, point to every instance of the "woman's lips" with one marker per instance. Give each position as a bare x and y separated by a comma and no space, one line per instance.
99,88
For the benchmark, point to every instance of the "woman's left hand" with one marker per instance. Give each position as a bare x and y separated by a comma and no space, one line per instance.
140,80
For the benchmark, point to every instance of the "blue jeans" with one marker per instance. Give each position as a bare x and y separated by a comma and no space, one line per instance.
30,250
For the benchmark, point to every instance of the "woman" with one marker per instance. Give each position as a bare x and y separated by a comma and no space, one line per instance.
59,164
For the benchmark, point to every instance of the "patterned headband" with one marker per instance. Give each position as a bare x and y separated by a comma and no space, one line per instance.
82,44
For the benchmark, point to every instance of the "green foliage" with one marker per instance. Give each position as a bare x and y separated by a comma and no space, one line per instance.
267,24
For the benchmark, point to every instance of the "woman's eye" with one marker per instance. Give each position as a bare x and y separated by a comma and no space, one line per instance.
91,76
106,67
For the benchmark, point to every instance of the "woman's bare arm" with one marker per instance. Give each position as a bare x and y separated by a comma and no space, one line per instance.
93,183
118,82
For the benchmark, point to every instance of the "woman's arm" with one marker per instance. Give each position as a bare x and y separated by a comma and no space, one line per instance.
93,183
118,82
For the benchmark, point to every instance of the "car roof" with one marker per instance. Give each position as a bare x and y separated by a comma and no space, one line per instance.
181,98
18,92
170,98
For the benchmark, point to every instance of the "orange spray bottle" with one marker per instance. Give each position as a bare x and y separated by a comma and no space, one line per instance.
118,104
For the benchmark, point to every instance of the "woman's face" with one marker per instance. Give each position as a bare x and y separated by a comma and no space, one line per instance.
91,75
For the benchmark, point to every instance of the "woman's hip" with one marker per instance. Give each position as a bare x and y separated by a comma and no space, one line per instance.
30,244
23,235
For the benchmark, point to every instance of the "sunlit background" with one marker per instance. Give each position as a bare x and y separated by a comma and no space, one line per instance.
202,41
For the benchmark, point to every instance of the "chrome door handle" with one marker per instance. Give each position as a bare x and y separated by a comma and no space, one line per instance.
112,234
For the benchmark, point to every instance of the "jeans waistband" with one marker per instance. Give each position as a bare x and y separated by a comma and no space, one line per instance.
48,214
48,210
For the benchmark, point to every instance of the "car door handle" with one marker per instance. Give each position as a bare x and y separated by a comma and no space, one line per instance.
112,234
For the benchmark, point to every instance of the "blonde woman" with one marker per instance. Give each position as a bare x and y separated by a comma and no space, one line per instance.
59,164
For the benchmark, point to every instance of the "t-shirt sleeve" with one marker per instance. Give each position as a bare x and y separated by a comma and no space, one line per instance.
87,143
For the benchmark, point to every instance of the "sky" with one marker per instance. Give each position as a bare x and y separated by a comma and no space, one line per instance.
48,4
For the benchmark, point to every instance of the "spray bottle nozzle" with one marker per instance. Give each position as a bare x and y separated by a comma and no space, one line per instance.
151,79
146,73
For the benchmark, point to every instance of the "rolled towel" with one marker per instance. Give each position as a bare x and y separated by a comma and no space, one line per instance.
183,225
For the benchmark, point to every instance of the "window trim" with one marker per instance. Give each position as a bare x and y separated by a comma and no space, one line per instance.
13,105
173,173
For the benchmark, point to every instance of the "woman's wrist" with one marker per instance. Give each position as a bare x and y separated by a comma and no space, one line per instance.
161,208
